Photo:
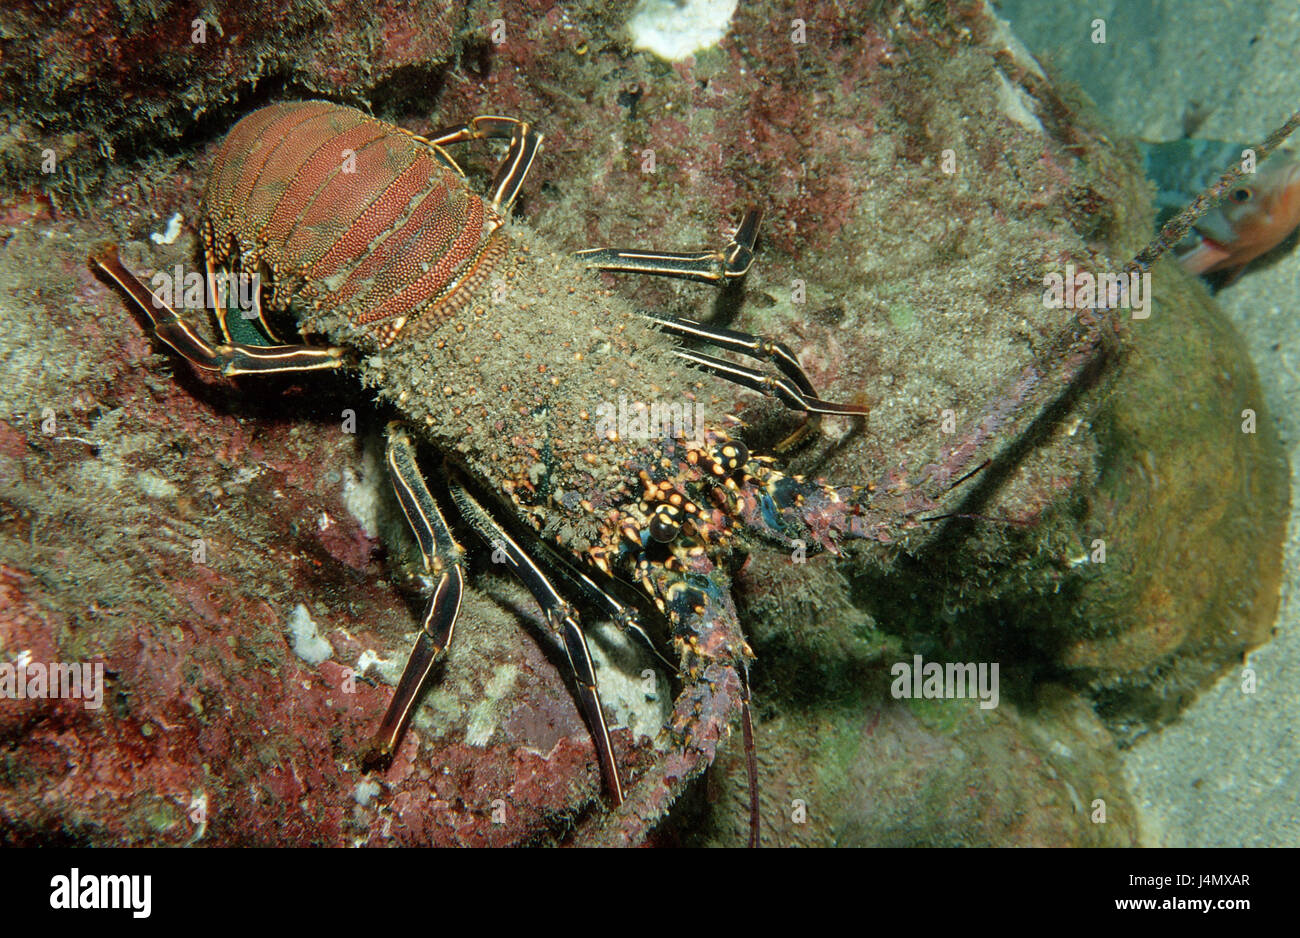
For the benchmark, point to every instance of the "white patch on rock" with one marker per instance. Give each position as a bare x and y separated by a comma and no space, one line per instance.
1016,104
308,643
640,701
154,485
674,30
483,716
172,233
389,669
361,492
198,813
243,475
366,789
1003,36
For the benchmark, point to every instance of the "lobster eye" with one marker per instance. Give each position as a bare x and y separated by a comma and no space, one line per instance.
665,523
731,456
1241,195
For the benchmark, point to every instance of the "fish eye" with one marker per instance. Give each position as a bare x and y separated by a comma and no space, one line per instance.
1240,195
665,523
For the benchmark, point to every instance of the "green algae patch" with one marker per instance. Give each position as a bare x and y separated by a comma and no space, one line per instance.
902,315
939,715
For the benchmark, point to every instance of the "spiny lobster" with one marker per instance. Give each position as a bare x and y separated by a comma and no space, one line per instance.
498,350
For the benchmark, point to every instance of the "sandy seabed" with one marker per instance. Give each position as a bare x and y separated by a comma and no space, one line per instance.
1227,773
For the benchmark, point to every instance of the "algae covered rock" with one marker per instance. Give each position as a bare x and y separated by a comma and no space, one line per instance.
942,773
91,82
1192,499
921,176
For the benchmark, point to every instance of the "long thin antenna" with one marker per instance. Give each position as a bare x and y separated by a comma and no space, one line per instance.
982,466
751,757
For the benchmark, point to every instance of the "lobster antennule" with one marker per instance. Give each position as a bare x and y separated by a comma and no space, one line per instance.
695,596
797,512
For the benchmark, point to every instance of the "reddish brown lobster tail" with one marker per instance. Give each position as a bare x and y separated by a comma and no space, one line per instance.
349,213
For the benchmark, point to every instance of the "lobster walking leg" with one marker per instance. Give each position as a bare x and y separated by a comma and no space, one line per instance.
561,618
717,267
444,558
780,388
524,146
621,614
228,358
743,343
251,327
795,390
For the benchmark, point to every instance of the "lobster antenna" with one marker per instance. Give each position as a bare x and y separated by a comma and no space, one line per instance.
751,755
981,467
973,517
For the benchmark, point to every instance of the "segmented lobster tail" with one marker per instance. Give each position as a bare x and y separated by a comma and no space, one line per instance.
349,212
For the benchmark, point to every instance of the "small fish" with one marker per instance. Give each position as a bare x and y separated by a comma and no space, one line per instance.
1253,217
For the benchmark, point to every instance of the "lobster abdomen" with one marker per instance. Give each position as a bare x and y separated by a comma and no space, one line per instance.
349,212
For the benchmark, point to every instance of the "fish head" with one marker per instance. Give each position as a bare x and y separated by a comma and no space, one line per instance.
1253,217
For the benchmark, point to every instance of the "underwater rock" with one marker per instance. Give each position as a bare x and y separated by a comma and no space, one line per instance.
94,77
1193,490
932,773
